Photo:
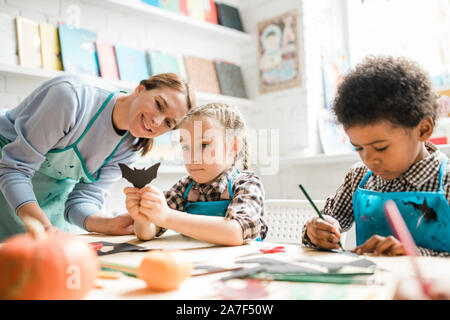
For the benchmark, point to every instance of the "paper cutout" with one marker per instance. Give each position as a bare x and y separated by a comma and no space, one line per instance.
111,248
268,268
139,177
335,266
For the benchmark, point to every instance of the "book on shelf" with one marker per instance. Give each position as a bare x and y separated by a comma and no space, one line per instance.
131,63
171,5
50,48
332,136
201,74
8,49
107,60
196,10
184,7
228,16
28,43
231,81
159,62
78,49
151,2
210,11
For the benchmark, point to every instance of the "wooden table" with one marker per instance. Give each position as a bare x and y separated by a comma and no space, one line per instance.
390,271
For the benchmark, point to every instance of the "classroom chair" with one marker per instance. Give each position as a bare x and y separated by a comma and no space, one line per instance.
285,219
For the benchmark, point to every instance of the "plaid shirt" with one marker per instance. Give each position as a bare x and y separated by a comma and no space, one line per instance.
246,207
421,176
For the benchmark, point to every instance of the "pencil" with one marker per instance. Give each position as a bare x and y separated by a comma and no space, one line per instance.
317,210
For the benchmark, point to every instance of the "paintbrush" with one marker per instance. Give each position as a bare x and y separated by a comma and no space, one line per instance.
317,210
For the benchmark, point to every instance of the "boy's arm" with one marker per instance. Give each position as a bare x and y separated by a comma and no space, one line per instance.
432,253
340,206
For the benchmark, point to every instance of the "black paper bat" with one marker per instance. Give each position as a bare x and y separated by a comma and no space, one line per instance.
139,177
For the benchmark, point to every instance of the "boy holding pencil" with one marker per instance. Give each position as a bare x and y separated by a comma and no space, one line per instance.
388,110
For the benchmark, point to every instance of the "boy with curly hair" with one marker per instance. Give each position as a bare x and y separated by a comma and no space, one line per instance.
388,109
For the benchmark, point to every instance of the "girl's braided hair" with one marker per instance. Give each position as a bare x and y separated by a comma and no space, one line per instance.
231,118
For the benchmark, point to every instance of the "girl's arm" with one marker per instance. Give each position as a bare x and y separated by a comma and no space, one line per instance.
206,228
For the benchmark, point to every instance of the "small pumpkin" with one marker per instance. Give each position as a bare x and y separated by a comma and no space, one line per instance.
42,266
164,270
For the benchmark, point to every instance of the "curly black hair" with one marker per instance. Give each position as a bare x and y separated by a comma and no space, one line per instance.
385,88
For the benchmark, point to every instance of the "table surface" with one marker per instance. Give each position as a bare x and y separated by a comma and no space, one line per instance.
389,271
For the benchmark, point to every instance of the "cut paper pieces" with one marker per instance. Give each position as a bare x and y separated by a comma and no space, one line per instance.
305,271
335,266
112,248
139,177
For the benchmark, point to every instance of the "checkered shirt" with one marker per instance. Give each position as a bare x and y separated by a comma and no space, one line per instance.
246,207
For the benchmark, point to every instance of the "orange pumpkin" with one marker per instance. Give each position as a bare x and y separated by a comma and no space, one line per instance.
39,266
164,270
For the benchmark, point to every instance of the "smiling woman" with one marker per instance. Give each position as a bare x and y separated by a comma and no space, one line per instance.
156,106
62,144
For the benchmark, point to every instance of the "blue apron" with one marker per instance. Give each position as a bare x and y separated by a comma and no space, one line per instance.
61,170
209,208
427,214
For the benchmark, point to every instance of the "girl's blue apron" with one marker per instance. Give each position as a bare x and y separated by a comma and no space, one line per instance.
210,208
61,170
427,214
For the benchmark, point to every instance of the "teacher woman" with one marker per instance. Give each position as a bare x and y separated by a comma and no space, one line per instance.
61,146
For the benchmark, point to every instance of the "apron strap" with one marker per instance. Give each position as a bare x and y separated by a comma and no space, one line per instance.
230,185
363,182
441,173
187,190
112,94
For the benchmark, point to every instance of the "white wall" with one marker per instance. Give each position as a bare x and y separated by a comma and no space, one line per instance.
291,111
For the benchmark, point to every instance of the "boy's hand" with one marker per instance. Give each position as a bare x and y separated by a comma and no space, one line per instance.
153,205
325,234
379,245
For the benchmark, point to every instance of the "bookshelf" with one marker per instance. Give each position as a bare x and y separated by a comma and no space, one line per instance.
42,74
156,13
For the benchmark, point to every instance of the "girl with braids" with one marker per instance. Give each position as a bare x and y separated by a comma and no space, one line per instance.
224,205
60,149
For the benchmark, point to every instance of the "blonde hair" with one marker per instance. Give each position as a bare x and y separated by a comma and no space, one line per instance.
230,118
164,80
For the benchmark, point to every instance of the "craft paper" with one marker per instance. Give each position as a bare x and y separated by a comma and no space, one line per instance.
139,177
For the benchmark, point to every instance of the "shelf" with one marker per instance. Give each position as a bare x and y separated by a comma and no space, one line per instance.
149,11
339,158
38,73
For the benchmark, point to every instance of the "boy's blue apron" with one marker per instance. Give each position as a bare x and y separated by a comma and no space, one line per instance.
210,208
427,214
61,170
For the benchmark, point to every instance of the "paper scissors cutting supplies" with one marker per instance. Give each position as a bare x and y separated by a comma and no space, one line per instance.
269,249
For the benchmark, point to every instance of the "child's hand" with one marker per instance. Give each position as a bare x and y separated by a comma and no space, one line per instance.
379,245
153,205
133,199
325,234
